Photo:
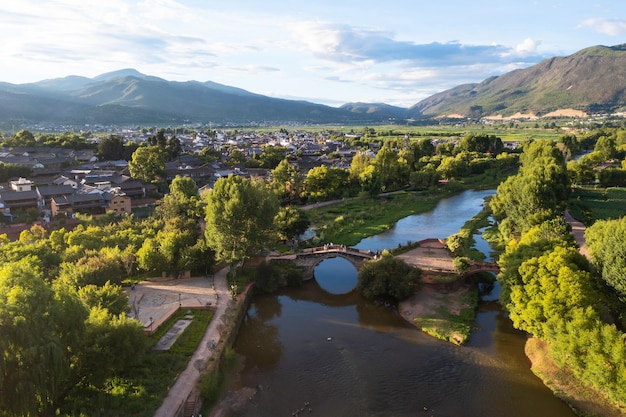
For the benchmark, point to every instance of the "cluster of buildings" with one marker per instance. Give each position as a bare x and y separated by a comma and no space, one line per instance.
67,196
66,181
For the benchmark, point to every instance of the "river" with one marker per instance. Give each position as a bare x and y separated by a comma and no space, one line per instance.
323,350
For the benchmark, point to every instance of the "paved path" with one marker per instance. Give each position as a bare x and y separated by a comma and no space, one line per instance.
187,380
578,231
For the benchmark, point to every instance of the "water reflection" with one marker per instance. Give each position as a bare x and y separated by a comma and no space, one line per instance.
357,359
346,356
336,275
446,219
262,342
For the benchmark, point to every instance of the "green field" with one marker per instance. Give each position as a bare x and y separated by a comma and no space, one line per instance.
350,221
591,204
523,131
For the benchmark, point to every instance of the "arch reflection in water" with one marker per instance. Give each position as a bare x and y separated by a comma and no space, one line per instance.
336,275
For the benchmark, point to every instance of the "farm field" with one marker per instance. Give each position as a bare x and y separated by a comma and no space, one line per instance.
591,204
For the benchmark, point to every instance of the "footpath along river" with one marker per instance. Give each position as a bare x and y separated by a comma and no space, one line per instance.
323,350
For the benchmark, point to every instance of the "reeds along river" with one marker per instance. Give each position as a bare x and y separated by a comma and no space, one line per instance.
324,350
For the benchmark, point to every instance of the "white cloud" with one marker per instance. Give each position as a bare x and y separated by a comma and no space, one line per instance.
611,27
527,47
344,43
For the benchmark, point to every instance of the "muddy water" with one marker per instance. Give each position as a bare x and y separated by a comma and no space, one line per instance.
323,350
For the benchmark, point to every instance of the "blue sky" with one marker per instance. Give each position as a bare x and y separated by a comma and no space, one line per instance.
326,51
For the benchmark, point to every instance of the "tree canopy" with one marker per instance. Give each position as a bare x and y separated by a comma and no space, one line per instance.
239,218
148,164
388,277
606,240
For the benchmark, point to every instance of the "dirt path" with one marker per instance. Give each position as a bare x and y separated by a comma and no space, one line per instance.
578,231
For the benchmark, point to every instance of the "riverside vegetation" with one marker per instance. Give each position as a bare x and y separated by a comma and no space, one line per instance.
63,310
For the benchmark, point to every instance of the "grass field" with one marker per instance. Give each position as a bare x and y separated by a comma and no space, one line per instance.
350,221
384,132
591,204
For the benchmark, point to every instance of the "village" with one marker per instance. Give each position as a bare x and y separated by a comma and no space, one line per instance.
68,181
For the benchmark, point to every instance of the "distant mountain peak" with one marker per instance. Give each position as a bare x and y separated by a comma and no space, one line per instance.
126,72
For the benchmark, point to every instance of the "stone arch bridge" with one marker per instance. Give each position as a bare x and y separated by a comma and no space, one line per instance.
476,266
308,258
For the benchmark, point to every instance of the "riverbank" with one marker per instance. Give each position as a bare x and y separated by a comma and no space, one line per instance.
584,400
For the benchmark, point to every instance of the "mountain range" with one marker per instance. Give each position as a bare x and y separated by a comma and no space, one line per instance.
591,80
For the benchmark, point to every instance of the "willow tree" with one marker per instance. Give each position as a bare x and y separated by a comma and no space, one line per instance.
37,339
239,218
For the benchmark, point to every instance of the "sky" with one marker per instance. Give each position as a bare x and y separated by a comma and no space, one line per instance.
324,51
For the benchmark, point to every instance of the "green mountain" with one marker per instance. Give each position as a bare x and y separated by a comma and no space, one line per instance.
382,111
591,80
127,96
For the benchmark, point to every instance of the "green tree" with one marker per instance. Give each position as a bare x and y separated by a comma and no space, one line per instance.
571,143
481,143
593,351
388,277
23,138
174,148
286,181
111,148
108,296
272,155
236,156
291,222
150,258
534,243
388,168
452,167
420,149
534,150
209,154
8,171
536,194
182,200
606,240
360,162
94,267
323,183
581,172
34,362
159,140
148,164
552,286
461,264
605,146
426,177
239,218
112,344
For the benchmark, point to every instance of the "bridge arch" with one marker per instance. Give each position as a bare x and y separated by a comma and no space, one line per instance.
309,258
314,261
476,267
